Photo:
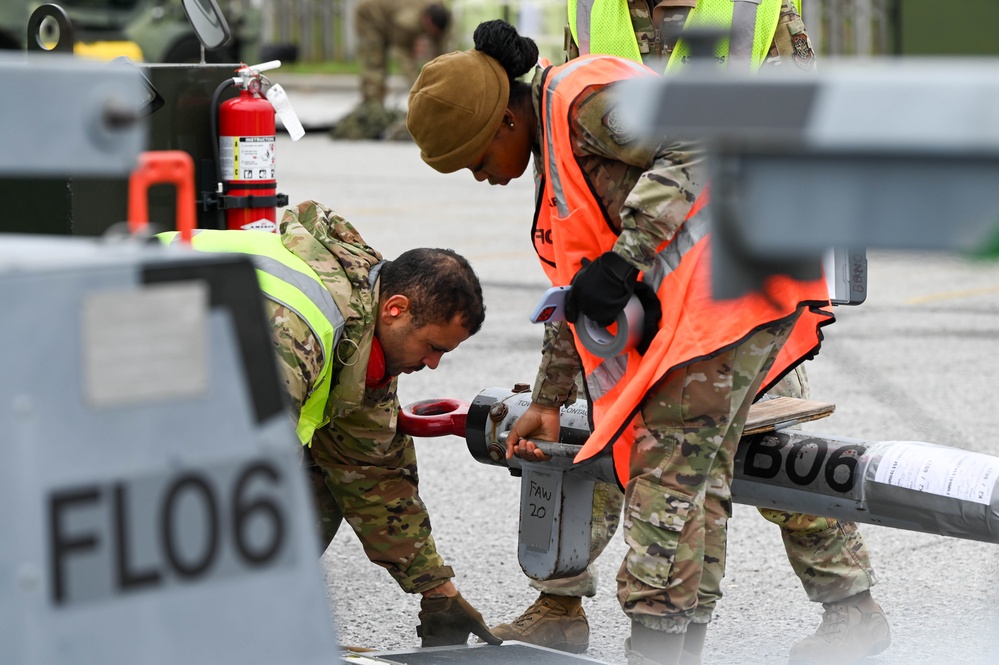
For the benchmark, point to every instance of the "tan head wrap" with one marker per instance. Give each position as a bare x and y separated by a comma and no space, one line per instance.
455,108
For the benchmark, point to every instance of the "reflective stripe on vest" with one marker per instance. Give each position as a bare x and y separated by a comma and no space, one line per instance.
605,376
620,69
694,326
289,281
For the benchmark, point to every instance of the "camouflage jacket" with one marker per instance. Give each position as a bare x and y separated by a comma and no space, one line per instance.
369,466
646,189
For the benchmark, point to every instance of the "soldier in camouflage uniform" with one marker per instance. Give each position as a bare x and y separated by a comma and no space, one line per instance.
398,317
829,556
416,31
688,425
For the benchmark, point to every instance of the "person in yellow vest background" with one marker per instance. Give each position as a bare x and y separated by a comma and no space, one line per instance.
345,324
829,556
621,216
764,33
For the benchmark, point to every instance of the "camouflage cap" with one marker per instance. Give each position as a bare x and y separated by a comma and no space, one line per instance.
455,108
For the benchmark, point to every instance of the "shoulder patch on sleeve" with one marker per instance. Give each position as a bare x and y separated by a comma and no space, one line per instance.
620,132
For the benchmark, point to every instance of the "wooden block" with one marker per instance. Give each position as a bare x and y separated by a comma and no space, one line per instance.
781,412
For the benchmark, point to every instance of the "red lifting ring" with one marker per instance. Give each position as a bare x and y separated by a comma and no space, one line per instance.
434,417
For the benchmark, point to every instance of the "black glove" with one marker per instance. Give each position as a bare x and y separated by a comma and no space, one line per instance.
601,289
653,313
445,621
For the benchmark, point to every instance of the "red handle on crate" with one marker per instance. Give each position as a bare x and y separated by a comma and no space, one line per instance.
434,417
163,167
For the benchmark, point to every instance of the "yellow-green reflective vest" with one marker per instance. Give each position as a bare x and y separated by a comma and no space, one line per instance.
604,26
287,280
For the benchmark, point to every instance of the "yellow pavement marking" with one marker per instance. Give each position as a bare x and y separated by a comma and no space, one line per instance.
952,295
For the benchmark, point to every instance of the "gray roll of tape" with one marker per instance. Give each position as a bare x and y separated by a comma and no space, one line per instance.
603,343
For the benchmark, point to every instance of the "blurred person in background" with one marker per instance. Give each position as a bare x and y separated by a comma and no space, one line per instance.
414,32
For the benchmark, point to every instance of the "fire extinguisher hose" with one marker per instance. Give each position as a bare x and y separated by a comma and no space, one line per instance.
214,121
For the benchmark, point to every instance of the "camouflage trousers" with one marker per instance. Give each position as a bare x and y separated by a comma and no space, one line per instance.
686,432
828,556
329,517
425,568
374,48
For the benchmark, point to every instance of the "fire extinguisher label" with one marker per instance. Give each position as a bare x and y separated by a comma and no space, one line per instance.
247,157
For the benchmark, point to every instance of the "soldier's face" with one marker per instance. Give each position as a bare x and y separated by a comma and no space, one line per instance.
431,30
507,156
408,348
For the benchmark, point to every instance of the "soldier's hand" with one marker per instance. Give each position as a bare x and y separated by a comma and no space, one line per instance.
537,422
601,289
448,620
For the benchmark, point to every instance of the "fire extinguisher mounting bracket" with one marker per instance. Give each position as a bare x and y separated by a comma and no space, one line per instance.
225,202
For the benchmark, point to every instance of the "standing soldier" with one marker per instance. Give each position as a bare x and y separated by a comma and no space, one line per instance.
417,31
620,215
829,556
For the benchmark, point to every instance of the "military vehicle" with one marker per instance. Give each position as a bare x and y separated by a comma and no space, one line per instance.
155,31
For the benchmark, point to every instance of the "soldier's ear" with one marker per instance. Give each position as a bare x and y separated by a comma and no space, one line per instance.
393,307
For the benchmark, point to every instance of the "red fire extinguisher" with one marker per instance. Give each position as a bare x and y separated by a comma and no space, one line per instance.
246,149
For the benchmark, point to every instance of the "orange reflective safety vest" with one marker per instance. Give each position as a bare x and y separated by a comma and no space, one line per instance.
570,225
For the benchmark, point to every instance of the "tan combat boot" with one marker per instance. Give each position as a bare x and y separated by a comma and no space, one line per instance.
851,630
556,622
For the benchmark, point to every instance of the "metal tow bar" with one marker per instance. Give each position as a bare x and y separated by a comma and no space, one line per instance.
911,485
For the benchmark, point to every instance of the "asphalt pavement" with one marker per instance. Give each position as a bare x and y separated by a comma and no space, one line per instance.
917,361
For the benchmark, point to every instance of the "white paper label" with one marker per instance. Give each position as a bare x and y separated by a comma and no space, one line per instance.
950,472
285,113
